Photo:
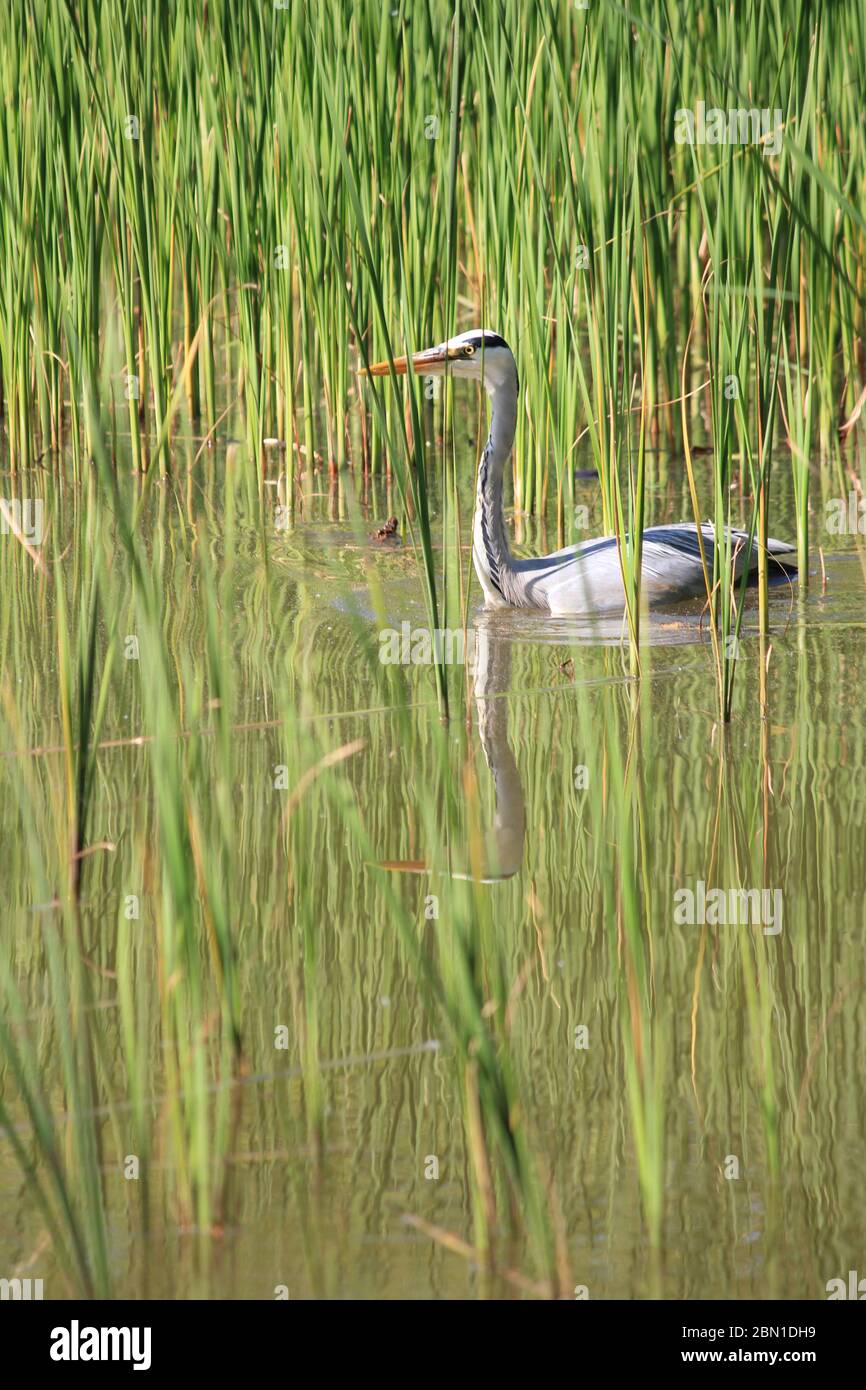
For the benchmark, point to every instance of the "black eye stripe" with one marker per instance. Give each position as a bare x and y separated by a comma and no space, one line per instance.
487,340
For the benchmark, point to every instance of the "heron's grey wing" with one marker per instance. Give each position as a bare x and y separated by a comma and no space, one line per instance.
585,578
588,578
581,578
682,541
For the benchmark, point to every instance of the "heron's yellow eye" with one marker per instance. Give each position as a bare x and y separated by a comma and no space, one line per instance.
469,350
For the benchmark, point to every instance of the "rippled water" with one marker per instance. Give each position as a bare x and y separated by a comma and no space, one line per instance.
758,1038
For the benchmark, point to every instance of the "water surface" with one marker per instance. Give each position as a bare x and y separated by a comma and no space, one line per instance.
759,1038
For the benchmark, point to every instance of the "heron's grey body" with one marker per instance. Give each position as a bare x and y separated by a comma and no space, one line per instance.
582,579
587,578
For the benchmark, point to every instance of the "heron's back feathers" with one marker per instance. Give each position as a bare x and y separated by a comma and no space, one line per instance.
587,578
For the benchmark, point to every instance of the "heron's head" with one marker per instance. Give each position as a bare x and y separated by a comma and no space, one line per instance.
479,354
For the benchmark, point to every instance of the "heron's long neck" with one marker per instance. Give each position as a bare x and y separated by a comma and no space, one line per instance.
493,563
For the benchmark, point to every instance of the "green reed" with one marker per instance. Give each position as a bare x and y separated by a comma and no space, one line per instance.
697,1047
279,186
211,218
203,176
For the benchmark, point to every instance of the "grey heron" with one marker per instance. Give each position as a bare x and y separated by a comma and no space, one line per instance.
580,579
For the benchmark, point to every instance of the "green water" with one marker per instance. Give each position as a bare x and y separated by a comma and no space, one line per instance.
325,1148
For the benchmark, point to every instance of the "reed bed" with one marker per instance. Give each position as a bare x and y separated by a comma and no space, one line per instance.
268,972
272,198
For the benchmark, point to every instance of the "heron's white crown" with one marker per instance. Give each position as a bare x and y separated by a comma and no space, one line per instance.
481,355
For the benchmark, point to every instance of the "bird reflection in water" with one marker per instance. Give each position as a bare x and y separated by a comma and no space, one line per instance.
501,850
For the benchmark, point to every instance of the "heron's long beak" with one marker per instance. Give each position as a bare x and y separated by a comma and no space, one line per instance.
431,362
